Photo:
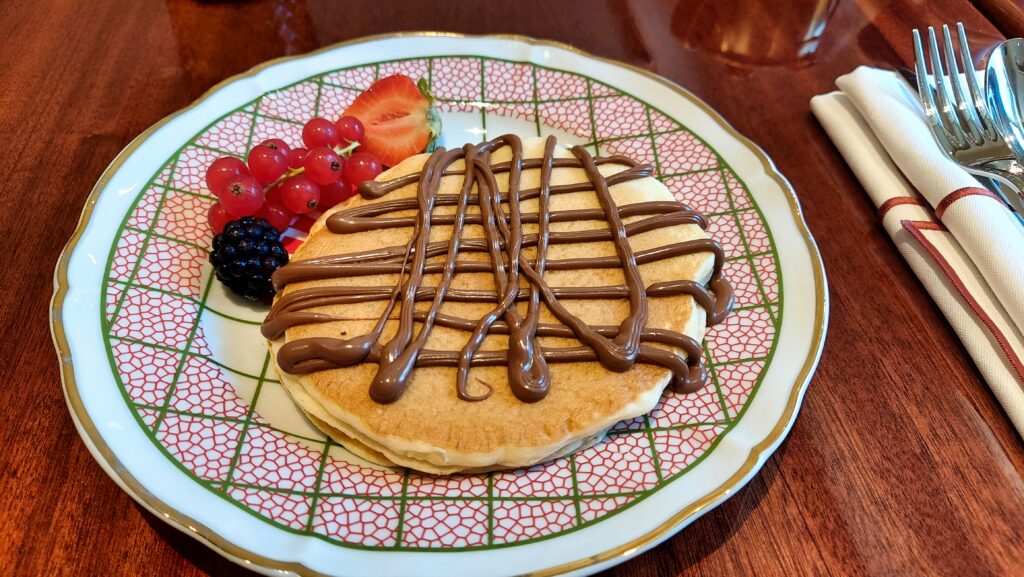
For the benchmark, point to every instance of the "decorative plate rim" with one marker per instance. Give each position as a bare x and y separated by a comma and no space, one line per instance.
123,478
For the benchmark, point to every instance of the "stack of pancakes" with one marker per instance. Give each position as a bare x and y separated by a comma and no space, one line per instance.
429,427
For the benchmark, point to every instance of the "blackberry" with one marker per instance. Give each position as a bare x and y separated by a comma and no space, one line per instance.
245,254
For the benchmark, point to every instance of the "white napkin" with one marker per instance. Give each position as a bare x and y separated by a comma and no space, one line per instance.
973,267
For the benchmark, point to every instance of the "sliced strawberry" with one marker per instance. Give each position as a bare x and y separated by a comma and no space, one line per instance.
398,117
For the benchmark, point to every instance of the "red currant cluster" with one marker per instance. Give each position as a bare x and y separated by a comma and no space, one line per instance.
278,182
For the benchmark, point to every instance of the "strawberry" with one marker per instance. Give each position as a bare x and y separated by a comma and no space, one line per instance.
398,116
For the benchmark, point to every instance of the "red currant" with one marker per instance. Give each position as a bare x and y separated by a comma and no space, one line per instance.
297,157
323,166
320,132
242,196
299,194
350,130
267,164
361,166
222,170
276,214
217,217
335,193
278,145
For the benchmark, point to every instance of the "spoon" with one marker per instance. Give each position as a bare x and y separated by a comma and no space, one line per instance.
1004,90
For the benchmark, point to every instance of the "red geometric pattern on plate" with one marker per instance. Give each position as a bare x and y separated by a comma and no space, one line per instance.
662,123
458,106
633,424
142,216
445,523
451,486
520,520
619,464
190,170
203,446
290,510
508,80
599,89
744,284
148,416
523,111
682,152
355,479
360,77
619,116
201,389
457,78
753,229
703,191
591,509
171,266
737,380
744,334
199,344
552,84
154,317
296,103
146,372
165,175
126,255
769,276
553,478
270,459
572,116
184,218
267,128
639,149
114,291
334,101
360,521
230,135
677,448
740,195
414,69
700,407
724,229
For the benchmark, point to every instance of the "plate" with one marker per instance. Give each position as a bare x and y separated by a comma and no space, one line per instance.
167,378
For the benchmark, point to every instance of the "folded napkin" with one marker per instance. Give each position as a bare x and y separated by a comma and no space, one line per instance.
962,242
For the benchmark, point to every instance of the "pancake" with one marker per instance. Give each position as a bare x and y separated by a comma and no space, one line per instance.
594,359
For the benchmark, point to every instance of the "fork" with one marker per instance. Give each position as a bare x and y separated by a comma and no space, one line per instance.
963,126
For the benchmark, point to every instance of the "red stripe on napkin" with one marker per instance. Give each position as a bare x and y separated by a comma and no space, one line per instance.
914,228
896,201
961,193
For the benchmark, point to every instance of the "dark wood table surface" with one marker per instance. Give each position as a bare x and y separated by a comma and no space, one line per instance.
900,462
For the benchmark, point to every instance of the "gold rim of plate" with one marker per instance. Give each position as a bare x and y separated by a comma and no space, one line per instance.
122,477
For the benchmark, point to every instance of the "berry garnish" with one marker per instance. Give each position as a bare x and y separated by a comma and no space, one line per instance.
320,132
222,170
217,217
276,214
350,129
297,157
334,193
323,166
299,194
361,166
267,164
241,196
278,145
245,254
398,118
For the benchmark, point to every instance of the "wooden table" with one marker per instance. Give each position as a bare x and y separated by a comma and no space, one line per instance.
901,461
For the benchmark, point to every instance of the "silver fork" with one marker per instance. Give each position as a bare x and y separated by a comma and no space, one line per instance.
963,125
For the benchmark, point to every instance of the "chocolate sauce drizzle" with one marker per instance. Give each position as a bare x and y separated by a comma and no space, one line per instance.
617,348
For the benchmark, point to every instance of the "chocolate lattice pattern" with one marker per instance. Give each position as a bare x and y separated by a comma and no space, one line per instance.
502,220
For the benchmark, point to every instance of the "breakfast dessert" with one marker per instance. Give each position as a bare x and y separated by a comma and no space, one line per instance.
494,306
